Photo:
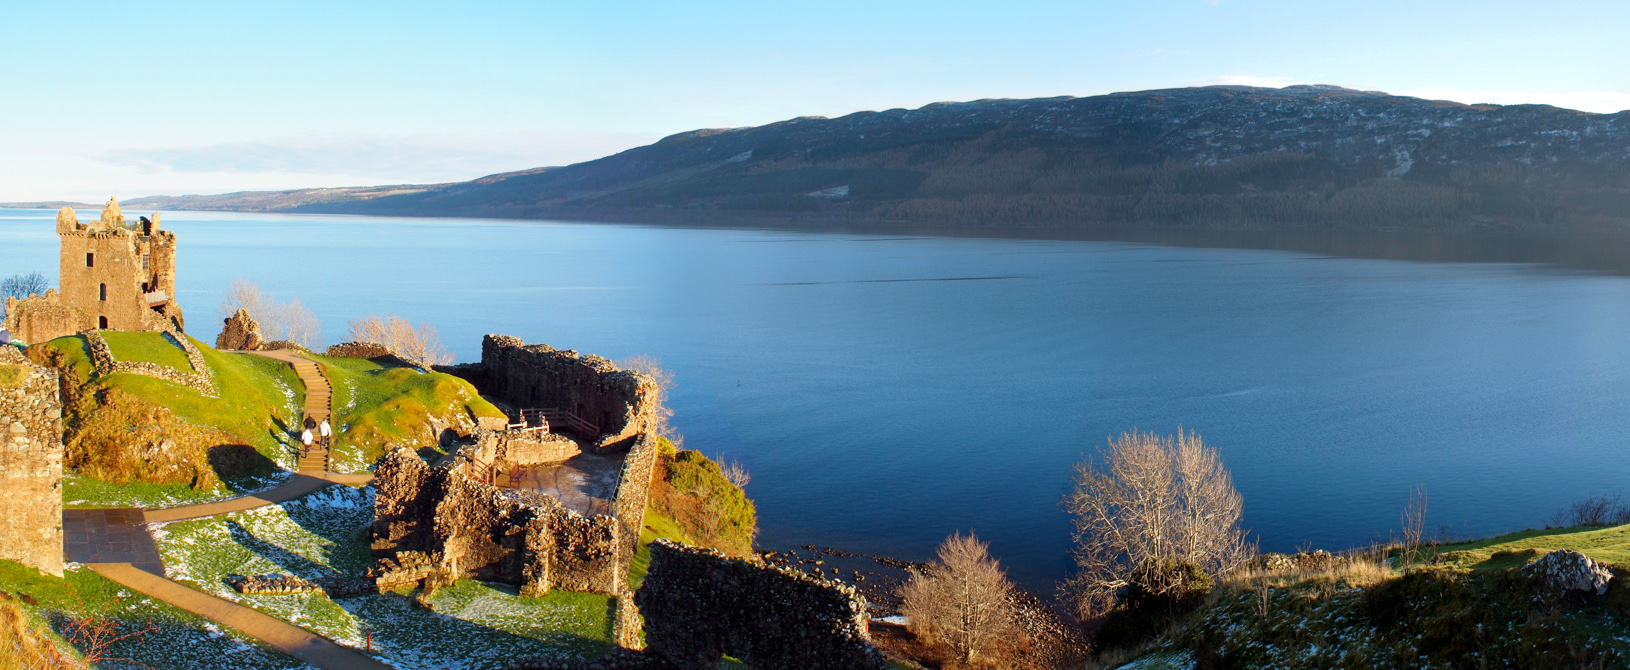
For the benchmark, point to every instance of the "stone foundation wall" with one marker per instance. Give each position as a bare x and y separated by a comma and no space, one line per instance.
621,402
699,605
475,529
30,463
201,379
524,448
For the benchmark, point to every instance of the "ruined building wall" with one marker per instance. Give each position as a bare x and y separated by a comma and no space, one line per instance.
699,605
476,529
111,272
30,463
621,403
38,319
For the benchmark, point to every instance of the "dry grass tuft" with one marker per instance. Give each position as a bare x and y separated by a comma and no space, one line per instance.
25,645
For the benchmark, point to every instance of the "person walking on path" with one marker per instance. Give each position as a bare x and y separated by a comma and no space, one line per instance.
325,432
305,439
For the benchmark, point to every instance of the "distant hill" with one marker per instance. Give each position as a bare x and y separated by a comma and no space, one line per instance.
1226,156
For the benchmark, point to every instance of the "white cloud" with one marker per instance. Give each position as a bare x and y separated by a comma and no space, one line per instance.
383,158
1247,80
1589,101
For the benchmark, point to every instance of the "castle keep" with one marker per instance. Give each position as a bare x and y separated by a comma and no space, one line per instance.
113,275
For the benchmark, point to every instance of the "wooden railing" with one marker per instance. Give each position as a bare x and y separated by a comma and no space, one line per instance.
545,417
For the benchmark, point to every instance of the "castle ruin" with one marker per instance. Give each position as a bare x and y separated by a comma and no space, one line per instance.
113,275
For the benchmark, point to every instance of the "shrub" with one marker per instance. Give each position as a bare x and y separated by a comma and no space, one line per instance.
1160,593
697,495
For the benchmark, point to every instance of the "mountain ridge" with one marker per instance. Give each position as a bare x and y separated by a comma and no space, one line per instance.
1309,156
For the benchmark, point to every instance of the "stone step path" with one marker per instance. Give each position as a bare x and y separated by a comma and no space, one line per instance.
319,402
299,643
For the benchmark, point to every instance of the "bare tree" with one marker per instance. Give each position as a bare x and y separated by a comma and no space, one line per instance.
1414,521
419,345
289,321
964,600
735,472
1152,500
651,367
23,285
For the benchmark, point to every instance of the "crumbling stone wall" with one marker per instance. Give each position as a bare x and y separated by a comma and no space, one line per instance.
699,605
621,403
120,275
475,529
38,318
30,463
239,332
521,447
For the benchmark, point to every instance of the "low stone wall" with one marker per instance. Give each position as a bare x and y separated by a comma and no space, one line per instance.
471,528
524,448
633,494
30,463
202,379
368,350
622,403
700,605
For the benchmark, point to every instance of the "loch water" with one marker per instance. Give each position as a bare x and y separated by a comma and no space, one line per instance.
886,390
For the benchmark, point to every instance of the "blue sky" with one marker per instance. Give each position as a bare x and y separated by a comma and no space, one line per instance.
156,97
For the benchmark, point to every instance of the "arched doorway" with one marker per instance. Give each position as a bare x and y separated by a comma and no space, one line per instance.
102,322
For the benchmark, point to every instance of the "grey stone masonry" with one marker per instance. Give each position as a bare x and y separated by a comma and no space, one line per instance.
30,463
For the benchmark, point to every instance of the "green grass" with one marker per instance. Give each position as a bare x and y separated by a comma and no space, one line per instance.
257,398
146,348
377,404
657,525
1607,544
326,533
182,641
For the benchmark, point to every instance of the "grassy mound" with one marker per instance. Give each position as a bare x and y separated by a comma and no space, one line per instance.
209,447
709,510
70,610
377,403
145,348
1461,605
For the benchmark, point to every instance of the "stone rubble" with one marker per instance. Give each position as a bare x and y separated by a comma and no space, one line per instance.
1568,570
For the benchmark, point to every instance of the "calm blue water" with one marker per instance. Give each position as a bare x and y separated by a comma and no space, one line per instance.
886,391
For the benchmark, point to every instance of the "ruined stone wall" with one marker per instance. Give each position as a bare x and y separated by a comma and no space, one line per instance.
30,463
475,529
699,605
633,494
519,447
107,270
621,403
38,319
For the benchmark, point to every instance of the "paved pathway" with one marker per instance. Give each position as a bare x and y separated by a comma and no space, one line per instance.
115,543
312,649
117,535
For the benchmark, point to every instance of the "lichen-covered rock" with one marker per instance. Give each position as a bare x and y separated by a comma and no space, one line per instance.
240,332
1569,570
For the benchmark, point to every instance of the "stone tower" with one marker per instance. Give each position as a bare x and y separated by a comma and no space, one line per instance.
120,275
